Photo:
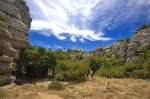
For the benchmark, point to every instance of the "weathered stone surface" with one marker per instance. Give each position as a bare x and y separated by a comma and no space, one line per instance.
126,50
5,47
120,50
5,59
5,34
4,69
4,79
140,38
14,24
9,9
14,54
103,50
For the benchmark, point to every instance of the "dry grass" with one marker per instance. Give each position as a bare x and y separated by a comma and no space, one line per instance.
92,89
2,94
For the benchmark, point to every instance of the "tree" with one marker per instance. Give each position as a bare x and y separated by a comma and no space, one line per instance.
36,60
52,63
94,65
41,50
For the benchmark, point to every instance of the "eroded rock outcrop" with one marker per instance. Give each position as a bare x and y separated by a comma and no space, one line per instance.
140,38
127,50
14,24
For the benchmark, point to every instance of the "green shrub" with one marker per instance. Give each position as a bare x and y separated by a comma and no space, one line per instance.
68,70
115,71
56,85
60,77
142,70
140,67
36,60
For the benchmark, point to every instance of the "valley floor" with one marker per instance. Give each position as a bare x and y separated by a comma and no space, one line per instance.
91,89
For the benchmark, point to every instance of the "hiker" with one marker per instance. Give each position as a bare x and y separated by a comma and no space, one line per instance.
91,72
87,74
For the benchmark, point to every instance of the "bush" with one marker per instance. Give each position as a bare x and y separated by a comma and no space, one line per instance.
94,63
68,70
115,71
36,60
139,67
139,70
60,76
55,85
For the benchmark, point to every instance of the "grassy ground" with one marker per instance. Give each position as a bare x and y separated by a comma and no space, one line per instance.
91,89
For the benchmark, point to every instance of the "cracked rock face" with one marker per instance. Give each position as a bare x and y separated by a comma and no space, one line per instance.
140,38
14,24
126,51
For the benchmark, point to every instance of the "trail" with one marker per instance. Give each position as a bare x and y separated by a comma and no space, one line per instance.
47,96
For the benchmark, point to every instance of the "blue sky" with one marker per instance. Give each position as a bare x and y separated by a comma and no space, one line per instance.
85,24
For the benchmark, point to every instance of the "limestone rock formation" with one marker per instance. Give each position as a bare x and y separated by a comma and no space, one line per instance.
117,50
126,50
14,24
139,39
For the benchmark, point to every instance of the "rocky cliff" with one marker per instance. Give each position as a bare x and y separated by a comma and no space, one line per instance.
126,50
14,24
139,39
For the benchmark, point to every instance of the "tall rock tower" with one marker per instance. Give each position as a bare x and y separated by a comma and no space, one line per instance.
14,24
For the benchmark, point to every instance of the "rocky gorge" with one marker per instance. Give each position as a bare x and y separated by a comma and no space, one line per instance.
14,25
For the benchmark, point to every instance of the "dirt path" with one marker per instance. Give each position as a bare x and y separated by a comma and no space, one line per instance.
92,89
47,96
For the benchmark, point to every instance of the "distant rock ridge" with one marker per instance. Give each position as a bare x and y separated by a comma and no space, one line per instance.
126,50
14,24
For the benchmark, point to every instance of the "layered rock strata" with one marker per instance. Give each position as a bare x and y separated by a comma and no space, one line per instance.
14,24
126,50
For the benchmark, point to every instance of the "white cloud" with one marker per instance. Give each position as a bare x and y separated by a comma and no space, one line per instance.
75,17
73,39
61,16
82,40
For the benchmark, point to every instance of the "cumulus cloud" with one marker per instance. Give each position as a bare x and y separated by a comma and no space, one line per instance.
82,20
